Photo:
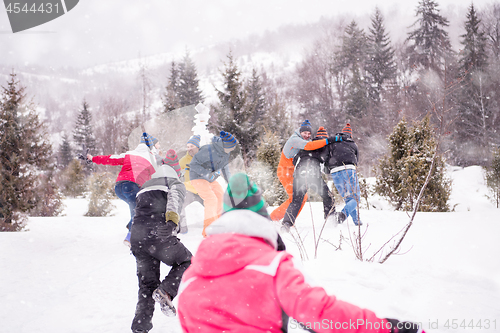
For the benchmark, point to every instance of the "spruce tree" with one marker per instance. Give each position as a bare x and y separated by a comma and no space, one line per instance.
183,85
474,107
83,133
189,92
171,99
256,109
473,56
354,50
402,172
24,155
428,44
380,63
65,154
231,114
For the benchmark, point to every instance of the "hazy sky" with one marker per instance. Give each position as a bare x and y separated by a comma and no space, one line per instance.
100,31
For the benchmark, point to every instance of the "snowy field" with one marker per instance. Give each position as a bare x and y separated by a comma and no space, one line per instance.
73,273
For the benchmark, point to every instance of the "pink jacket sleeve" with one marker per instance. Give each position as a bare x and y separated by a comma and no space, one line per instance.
316,310
109,159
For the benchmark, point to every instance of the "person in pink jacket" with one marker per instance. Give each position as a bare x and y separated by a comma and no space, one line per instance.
137,167
239,282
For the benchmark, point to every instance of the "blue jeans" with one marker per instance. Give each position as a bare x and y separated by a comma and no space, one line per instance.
127,191
346,182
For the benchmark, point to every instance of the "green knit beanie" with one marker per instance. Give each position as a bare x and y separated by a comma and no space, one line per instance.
242,193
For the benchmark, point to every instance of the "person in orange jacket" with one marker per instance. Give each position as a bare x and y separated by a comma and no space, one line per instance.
301,139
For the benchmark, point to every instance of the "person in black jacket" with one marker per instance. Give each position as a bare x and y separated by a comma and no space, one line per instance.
153,240
342,163
307,176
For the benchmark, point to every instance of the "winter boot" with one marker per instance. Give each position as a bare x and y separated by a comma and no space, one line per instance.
341,217
332,219
285,228
126,241
167,307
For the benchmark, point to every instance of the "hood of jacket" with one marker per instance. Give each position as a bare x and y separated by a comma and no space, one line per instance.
217,144
165,171
237,239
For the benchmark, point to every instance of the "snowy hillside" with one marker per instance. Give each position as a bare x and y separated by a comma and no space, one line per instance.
73,274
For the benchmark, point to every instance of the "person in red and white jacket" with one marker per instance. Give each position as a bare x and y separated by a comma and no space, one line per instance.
239,282
137,167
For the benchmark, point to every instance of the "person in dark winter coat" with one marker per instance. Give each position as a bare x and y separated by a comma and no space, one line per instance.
240,282
153,241
342,163
301,139
205,167
137,167
307,176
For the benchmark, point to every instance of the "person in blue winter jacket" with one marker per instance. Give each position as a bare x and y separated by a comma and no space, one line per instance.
206,166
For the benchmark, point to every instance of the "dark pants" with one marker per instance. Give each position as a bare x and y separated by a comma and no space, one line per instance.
127,191
302,182
149,252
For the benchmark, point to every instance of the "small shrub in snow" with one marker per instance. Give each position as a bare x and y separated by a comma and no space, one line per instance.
73,179
402,172
493,177
101,193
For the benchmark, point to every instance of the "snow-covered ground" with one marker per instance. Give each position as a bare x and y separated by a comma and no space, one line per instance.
73,273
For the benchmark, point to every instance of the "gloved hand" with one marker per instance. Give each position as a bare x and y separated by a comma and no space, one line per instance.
334,138
166,230
84,158
404,326
213,176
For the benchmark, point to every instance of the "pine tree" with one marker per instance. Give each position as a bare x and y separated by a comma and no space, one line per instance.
380,64
402,172
231,113
24,155
473,56
189,92
183,85
171,98
83,133
493,177
428,44
276,117
357,100
65,154
256,109
474,108
354,50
